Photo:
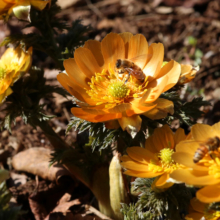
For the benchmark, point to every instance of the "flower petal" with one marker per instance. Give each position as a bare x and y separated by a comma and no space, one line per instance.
163,107
209,194
194,178
135,166
162,183
141,155
141,174
126,36
149,144
173,75
112,124
216,126
39,4
202,132
120,108
95,47
139,109
113,48
75,73
179,135
4,95
131,124
154,65
197,205
194,216
138,47
74,89
163,138
187,73
188,146
86,61
171,70
155,88
80,113
187,160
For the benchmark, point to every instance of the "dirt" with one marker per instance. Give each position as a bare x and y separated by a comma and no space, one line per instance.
190,32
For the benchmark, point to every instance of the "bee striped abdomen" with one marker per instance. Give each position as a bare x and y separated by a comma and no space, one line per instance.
209,146
200,153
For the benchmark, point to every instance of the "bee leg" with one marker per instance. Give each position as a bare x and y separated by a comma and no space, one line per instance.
127,78
211,155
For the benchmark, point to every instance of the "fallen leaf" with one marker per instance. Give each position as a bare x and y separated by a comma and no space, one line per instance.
37,161
18,179
63,208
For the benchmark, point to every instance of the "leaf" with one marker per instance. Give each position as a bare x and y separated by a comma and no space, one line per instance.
36,161
4,174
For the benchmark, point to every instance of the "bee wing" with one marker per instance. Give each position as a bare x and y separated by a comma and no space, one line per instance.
138,74
141,60
134,72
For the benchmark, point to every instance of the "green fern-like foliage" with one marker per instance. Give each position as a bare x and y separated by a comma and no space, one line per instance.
101,137
25,99
186,112
171,204
132,212
7,212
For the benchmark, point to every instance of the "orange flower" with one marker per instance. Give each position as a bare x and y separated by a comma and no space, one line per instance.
13,63
188,73
206,172
20,8
155,159
101,91
199,210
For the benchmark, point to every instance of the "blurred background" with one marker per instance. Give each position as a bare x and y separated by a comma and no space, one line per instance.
188,29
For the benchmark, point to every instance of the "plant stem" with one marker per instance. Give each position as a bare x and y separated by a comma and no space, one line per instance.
56,141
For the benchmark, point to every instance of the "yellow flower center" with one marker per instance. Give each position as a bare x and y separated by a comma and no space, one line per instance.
2,73
109,88
214,167
212,215
165,164
165,155
118,90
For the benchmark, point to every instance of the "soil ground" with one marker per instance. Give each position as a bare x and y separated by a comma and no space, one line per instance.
190,33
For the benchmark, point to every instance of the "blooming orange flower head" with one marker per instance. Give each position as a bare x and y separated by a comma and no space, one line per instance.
20,8
120,79
13,63
202,157
199,210
155,159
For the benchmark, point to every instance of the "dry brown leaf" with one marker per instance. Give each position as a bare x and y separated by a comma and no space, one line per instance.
18,179
66,3
36,161
87,217
63,208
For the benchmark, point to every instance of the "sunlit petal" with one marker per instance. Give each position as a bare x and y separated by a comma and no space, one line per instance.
209,194
113,48
131,124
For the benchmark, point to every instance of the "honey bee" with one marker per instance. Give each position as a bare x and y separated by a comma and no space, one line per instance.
125,65
212,144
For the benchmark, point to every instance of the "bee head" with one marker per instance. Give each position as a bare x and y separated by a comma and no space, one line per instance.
118,63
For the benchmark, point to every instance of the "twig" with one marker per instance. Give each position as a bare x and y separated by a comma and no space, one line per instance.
96,212
94,8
